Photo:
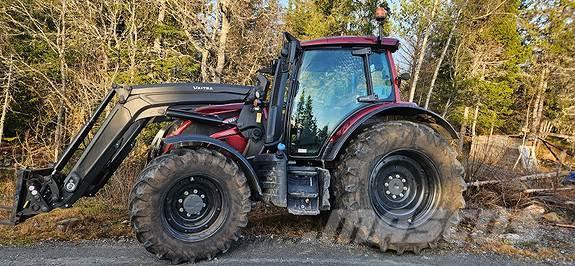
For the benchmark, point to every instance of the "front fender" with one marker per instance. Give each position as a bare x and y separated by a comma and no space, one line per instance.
398,111
204,141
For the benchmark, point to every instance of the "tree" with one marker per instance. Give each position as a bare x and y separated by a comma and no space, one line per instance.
310,19
422,48
548,32
89,45
442,56
6,98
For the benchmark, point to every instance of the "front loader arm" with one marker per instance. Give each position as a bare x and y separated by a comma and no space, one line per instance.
41,190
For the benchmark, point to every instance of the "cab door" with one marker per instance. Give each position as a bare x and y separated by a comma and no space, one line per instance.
331,85
283,81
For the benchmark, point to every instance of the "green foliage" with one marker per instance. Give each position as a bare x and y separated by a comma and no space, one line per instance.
310,19
485,67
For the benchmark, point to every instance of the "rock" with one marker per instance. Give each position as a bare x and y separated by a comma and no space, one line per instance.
522,223
534,210
68,221
552,217
512,238
456,235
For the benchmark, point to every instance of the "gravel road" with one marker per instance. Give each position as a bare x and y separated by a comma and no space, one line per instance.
256,251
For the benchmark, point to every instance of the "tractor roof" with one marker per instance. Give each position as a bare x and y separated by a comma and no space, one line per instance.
392,43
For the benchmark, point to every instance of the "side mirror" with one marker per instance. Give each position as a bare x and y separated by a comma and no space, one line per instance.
403,76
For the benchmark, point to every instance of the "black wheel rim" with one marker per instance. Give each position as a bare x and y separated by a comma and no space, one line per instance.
194,208
404,188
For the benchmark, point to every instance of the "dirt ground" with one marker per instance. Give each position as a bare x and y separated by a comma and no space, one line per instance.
522,235
247,251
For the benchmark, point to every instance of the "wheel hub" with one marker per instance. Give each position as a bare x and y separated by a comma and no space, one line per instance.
193,204
396,186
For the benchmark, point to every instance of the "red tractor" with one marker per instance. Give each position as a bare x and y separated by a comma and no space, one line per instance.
328,133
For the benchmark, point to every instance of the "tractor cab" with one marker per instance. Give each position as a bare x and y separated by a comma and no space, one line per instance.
320,83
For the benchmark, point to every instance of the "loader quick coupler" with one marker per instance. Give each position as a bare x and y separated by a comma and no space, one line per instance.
36,192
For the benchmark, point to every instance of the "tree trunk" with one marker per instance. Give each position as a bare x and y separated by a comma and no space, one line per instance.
61,56
463,129
446,107
440,60
421,53
474,125
535,111
6,100
204,65
223,39
133,43
539,102
525,128
160,21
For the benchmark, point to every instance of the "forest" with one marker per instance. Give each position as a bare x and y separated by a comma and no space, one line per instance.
505,66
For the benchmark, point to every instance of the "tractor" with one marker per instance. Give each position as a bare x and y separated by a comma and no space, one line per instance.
322,130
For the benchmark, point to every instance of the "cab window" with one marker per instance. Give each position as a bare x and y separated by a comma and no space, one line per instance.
381,77
330,81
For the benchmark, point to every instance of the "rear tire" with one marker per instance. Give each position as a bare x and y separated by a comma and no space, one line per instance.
398,186
189,205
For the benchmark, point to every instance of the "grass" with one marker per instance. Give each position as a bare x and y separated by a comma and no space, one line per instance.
104,216
540,253
264,220
92,220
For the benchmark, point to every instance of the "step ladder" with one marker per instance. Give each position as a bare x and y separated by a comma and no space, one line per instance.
308,190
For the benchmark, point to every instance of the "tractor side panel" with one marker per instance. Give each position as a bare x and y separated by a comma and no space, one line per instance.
231,136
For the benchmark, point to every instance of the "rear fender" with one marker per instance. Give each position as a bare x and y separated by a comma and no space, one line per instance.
190,141
399,111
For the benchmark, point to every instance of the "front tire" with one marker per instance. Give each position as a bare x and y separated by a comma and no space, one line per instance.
399,186
189,204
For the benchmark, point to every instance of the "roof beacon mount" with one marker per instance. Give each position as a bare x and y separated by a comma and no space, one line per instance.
380,17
